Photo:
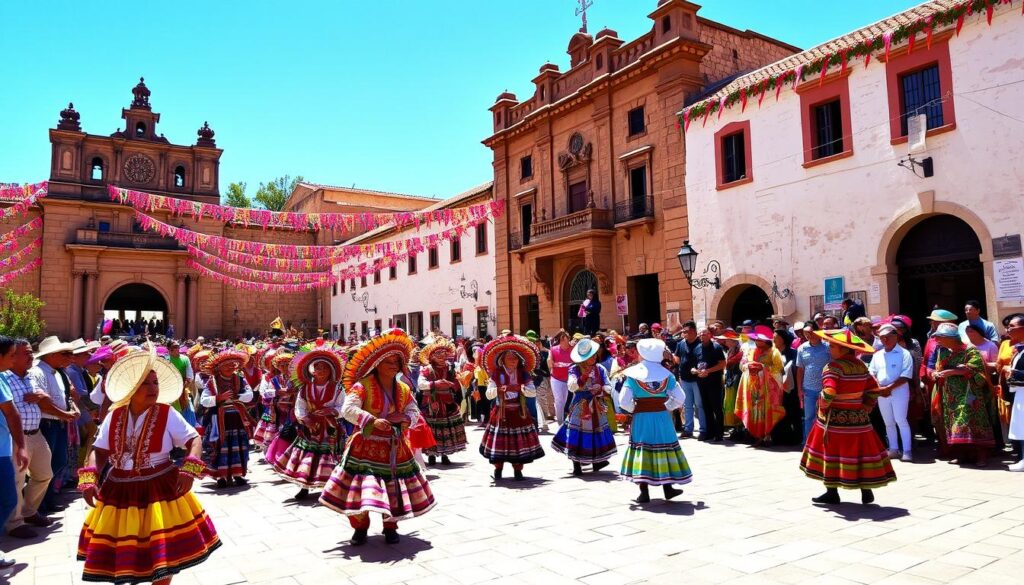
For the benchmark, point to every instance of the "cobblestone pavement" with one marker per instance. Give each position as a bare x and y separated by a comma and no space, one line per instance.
746,518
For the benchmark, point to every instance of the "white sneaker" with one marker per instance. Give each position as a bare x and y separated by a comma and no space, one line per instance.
907,457
1018,466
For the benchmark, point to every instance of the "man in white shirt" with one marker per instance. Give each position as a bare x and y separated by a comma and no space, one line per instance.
893,369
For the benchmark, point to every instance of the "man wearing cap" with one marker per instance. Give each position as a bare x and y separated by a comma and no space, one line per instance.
972,310
893,368
51,359
811,358
13,454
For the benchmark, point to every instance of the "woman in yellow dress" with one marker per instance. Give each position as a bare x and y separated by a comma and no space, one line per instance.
759,398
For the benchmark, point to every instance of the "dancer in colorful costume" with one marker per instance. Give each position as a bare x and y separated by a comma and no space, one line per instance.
510,435
378,472
759,397
226,421
146,525
440,395
842,449
266,428
651,393
308,456
586,437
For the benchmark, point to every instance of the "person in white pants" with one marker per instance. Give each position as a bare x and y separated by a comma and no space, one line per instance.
893,369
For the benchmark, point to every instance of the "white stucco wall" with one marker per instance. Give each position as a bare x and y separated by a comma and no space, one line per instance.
802,225
428,291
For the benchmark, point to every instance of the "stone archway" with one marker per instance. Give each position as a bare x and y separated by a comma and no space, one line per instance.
135,308
724,301
574,292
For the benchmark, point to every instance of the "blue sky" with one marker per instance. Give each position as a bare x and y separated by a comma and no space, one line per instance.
389,95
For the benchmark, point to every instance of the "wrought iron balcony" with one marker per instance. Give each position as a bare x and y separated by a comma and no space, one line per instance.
141,241
574,223
634,208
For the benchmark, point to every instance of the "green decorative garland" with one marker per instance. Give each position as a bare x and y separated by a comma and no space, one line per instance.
937,19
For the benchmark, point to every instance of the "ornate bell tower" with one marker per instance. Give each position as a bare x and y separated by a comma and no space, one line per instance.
140,120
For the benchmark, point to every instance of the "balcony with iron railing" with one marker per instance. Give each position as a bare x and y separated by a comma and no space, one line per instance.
136,240
634,208
591,218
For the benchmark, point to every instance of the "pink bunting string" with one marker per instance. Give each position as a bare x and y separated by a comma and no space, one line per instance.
20,231
252,286
9,276
21,254
262,275
23,196
342,222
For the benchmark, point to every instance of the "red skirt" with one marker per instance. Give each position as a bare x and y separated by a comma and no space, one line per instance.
511,438
842,450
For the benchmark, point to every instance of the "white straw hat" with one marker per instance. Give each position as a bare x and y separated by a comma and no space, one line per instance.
129,372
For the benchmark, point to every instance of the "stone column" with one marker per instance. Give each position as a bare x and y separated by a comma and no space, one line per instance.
89,312
193,306
76,304
180,309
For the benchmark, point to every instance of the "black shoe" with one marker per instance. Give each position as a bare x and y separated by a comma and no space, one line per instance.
644,496
445,460
686,435
867,497
222,483
23,532
497,475
518,475
302,495
391,536
431,460
670,492
359,537
830,497
702,437
240,480
577,469
600,465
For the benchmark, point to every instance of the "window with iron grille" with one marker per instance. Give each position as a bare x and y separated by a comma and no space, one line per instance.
734,158
637,123
921,93
828,129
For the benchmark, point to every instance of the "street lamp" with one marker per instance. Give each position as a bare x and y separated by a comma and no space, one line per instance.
687,257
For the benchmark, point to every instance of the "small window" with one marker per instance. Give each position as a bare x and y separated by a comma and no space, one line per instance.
104,226
412,263
526,167
392,273
179,176
352,284
481,323
666,24
542,93
334,289
456,244
600,61
432,258
481,239
140,129
97,169
828,129
497,118
342,287
435,321
362,282
457,324
734,158
921,93
637,123
376,277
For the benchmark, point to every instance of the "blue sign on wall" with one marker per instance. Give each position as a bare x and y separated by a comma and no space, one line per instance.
834,291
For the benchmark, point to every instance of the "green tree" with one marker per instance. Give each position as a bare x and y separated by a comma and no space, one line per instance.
236,197
274,194
19,316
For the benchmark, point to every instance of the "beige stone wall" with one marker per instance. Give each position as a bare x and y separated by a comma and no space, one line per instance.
735,51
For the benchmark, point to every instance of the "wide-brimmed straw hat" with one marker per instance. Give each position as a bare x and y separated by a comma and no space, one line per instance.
301,365
365,358
437,345
584,350
50,345
125,377
845,338
495,350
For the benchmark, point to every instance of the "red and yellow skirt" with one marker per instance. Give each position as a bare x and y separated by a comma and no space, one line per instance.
843,451
143,530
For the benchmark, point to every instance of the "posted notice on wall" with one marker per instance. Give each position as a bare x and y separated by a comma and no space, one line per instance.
1009,277
874,293
621,305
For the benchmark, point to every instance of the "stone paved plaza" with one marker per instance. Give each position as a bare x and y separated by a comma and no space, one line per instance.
745,519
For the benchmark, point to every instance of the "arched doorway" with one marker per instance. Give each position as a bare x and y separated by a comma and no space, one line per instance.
136,309
745,301
575,293
938,265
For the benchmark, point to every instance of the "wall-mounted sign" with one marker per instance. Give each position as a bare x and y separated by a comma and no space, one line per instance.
621,305
833,292
1009,277
1006,246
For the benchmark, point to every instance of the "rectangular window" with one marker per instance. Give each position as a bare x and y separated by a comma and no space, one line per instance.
921,93
363,282
828,129
577,197
334,289
412,263
392,272
352,329
376,277
457,324
456,244
435,321
376,326
734,158
637,121
432,258
481,323
342,287
526,167
104,226
352,284
481,239
525,222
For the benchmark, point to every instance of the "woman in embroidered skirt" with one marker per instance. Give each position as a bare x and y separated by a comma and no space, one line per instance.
651,393
842,449
759,397
279,395
227,423
585,437
440,395
266,428
145,525
308,457
378,472
960,398
510,435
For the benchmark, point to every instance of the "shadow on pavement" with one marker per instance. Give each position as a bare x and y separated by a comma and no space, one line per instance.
377,551
526,483
852,512
670,507
10,572
42,533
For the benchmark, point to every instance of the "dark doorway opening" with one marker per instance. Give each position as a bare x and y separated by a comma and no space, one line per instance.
644,298
939,265
575,293
751,303
136,309
529,314
525,221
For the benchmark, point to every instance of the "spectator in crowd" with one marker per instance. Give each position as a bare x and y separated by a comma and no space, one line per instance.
52,358
893,368
13,455
972,310
688,358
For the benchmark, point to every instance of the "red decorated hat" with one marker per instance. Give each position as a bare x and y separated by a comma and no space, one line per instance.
761,333
364,358
237,356
521,346
439,345
303,362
